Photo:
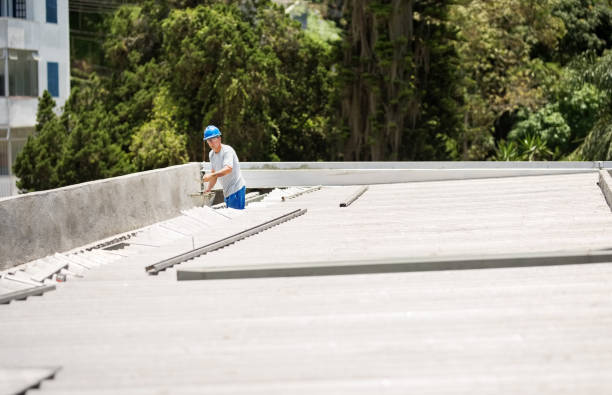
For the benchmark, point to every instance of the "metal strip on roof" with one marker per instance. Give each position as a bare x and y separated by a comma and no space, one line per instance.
393,265
24,293
159,266
300,193
354,196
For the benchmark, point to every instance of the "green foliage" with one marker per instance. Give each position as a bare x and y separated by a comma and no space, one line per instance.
534,148
45,112
448,79
157,144
36,165
528,148
546,124
89,151
588,24
257,76
507,151
398,81
581,109
598,144
499,76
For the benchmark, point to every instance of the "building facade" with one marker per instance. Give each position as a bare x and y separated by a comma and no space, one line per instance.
34,57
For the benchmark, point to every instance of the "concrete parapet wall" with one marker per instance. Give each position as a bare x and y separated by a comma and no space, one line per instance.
287,174
37,224
465,165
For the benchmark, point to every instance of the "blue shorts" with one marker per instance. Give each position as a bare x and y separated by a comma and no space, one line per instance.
236,200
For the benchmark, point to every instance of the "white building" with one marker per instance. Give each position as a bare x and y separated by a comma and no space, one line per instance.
34,57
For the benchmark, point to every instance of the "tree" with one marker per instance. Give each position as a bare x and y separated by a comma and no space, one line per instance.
36,165
548,125
499,75
156,144
253,72
589,28
596,70
398,79
89,151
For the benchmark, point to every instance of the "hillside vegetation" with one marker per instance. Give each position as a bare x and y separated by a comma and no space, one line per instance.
334,80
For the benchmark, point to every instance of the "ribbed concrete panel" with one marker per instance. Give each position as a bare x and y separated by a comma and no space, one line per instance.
534,330
438,219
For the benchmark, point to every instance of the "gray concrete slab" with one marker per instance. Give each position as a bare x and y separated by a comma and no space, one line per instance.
532,330
432,220
392,265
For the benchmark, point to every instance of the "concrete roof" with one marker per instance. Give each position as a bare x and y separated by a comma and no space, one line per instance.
506,330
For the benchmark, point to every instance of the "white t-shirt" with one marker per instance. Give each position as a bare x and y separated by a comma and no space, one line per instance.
233,181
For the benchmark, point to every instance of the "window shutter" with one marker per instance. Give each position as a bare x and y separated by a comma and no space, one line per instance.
51,11
53,78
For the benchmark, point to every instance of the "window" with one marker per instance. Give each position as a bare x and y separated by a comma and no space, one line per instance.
2,71
4,165
23,73
51,11
53,78
19,9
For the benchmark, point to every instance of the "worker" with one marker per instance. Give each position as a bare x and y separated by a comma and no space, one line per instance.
226,168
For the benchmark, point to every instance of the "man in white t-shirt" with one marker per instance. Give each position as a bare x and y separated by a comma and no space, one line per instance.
226,168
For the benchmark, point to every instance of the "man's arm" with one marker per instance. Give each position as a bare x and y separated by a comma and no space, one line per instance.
211,177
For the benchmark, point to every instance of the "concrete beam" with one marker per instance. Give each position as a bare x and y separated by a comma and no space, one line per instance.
38,224
332,177
287,174
393,265
605,183
478,165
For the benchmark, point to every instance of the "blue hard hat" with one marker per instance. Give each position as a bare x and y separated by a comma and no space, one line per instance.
211,131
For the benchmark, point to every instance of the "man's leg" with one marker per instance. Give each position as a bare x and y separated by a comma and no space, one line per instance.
236,200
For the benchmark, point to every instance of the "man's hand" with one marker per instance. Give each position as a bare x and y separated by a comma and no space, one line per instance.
209,176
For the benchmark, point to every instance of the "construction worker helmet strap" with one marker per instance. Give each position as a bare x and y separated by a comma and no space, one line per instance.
211,131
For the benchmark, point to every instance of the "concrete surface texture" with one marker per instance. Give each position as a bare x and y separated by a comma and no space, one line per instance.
532,330
41,223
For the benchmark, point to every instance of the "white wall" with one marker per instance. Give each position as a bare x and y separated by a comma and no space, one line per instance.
53,45
23,111
52,42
